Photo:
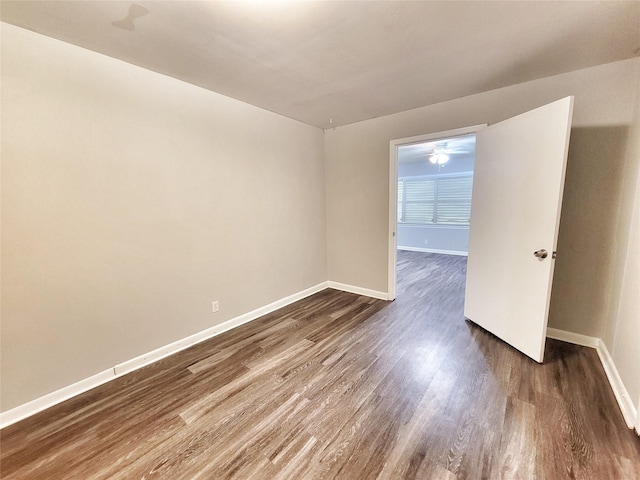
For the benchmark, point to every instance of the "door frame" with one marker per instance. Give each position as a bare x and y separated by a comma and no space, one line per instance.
637,425
393,192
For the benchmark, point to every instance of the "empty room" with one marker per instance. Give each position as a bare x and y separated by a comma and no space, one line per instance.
320,240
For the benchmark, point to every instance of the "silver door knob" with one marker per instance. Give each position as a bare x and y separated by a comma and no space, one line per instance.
540,253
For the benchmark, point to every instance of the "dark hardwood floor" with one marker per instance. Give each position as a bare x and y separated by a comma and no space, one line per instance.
343,386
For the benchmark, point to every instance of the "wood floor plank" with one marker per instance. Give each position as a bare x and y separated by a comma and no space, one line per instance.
342,386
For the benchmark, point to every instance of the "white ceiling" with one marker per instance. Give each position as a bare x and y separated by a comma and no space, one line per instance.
344,60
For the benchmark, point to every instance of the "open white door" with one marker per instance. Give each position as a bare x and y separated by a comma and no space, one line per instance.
515,213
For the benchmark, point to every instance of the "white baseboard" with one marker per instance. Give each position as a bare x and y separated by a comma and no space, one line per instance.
155,355
627,407
358,290
49,400
30,408
433,250
575,338
20,412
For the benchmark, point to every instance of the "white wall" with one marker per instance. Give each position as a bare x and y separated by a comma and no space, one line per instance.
603,114
452,240
592,275
130,201
622,332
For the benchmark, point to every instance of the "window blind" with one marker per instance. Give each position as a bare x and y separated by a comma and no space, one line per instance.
435,200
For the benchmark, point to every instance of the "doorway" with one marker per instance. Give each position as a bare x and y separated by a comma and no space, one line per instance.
518,184
430,194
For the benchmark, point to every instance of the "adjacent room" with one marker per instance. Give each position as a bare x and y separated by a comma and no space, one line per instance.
435,180
434,191
318,240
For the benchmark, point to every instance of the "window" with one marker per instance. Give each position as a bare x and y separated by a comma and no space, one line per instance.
442,199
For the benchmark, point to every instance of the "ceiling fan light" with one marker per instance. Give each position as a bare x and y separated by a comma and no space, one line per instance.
439,158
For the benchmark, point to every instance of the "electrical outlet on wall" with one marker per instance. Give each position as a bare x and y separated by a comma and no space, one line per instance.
215,306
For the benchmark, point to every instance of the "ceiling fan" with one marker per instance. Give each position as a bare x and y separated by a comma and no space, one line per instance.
440,152
440,156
